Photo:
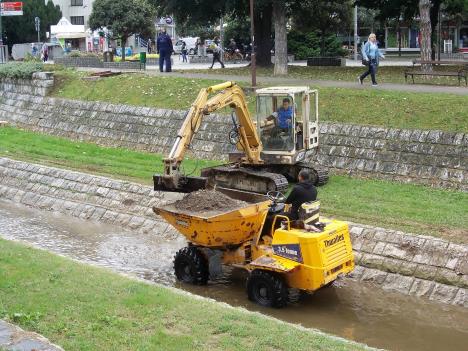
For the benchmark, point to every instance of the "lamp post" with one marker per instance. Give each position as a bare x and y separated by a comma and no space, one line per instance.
355,33
253,67
1,29
37,22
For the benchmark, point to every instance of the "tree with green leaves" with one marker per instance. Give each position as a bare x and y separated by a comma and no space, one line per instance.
325,18
409,9
21,29
123,18
207,12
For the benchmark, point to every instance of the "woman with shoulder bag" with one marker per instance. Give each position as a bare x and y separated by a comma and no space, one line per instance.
370,57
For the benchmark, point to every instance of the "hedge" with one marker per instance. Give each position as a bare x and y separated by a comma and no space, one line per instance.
20,69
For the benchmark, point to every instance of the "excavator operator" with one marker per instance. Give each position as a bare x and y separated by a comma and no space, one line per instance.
303,191
285,114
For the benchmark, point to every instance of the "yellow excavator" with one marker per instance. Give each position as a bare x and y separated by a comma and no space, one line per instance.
267,154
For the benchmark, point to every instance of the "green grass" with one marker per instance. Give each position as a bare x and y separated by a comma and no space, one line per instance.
372,107
133,89
85,308
87,157
385,74
408,207
412,208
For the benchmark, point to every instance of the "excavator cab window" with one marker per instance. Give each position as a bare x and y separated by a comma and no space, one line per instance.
276,120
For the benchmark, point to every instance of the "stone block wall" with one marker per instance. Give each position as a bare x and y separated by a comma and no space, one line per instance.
421,156
405,263
427,157
41,84
412,264
69,61
84,196
133,127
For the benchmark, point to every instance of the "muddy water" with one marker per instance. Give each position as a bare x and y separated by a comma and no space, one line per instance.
364,313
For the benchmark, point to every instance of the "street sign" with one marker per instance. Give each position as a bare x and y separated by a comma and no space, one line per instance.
11,8
37,23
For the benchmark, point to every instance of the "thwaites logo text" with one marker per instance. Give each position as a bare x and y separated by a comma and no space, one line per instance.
291,251
335,240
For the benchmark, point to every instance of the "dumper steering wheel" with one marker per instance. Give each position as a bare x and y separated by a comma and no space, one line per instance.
276,196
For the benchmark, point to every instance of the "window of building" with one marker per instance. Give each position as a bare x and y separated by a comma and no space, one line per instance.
77,20
77,2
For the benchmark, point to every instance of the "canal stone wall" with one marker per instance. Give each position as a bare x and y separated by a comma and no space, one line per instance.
410,264
41,84
433,158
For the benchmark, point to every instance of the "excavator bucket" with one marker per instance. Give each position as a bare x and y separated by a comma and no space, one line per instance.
183,185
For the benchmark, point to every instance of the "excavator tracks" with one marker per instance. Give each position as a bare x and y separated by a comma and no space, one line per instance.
245,179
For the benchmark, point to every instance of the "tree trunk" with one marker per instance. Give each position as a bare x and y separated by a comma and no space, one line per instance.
434,16
281,41
122,45
262,19
399,38
425,28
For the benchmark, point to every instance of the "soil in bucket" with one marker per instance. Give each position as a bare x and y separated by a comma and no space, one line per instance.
208,202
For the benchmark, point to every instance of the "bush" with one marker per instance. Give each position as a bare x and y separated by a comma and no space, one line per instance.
304,45
83,54
20,70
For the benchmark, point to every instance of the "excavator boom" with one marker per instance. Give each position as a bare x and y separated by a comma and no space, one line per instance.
248,139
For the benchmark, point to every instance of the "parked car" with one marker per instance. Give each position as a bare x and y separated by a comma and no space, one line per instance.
189,41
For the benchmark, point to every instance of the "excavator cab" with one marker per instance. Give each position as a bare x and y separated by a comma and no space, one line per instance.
287,122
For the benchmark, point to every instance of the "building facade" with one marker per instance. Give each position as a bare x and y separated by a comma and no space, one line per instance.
76,11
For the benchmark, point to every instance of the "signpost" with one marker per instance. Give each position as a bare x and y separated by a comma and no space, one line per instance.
9,9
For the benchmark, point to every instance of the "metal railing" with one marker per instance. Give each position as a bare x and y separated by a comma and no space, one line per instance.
3,53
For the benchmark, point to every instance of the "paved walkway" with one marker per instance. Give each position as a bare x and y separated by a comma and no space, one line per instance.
419,88
13,338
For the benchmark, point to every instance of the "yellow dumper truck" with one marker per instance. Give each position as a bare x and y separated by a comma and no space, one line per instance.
278,253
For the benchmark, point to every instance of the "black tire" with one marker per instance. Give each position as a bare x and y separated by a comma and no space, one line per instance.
267,289
190,266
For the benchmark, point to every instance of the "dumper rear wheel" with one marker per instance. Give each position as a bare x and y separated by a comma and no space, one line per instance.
267,289
190,266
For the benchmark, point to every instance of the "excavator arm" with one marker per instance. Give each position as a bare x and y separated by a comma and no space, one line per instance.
248,140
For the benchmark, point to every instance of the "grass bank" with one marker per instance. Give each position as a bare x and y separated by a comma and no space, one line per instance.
385,74
412,208
85,308
371,107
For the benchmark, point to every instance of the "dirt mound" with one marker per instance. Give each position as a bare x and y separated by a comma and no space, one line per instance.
203,201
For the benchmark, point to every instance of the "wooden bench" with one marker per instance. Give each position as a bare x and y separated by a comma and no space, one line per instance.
460,70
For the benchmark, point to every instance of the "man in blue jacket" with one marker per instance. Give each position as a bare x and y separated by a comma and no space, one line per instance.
164,48
285,113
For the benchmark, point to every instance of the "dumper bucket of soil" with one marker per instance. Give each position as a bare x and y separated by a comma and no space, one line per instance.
215,218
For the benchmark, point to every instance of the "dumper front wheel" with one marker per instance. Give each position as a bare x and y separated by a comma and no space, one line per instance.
267,289
190,266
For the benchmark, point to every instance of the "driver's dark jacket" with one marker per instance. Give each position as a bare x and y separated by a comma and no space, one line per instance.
301,192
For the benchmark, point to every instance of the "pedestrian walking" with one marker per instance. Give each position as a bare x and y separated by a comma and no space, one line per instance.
217,52
183,50
149,46
370,57
45,52
164,49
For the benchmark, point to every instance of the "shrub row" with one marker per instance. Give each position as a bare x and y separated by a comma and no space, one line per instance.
23,70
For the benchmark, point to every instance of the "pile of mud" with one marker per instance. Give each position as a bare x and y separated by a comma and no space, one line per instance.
208,201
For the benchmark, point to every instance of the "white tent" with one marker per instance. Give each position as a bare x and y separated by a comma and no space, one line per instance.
65,30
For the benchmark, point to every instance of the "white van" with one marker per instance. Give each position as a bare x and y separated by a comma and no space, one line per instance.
189,41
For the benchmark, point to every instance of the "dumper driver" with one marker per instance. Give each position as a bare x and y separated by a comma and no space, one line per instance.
304,191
